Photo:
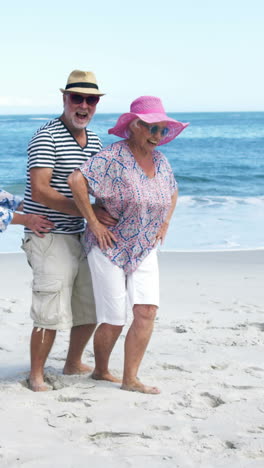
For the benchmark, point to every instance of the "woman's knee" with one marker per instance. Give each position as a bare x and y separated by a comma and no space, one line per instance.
146,312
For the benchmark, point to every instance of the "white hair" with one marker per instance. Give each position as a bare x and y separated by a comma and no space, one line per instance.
131,125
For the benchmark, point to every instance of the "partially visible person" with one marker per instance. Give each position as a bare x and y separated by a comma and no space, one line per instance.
62,296
136,185
11,207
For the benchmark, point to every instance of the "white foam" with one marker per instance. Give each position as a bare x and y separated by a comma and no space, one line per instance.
199,223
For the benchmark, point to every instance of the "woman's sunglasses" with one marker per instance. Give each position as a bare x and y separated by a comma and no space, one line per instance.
78,99
154,129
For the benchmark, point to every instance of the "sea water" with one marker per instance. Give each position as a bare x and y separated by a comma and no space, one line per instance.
218,162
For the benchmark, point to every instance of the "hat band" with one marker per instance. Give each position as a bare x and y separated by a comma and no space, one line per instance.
81,85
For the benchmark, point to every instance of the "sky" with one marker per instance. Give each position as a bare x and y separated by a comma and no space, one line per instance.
196,55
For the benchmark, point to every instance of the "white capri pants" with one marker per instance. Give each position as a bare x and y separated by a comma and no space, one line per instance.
114,289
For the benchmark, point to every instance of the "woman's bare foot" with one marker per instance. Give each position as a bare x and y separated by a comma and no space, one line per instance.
38,386
70,369
105,376
138,386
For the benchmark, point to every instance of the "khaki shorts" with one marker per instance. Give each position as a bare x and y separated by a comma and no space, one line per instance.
62,293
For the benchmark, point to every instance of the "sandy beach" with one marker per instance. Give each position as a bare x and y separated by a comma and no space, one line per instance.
206,355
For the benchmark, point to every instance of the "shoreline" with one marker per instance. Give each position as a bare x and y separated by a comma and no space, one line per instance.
206,355
187,251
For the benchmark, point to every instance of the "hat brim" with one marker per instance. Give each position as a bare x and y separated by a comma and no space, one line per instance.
121,127
89,91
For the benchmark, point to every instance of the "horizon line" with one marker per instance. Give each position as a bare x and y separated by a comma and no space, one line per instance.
120,112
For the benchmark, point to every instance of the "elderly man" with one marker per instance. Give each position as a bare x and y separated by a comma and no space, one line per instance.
62,296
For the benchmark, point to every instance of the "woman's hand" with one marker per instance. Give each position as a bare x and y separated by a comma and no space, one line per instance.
80,188
160,237
161,234
37,224
103,235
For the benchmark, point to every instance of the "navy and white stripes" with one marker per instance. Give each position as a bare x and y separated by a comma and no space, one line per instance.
54,147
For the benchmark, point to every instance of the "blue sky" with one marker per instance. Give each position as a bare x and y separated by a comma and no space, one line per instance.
197,55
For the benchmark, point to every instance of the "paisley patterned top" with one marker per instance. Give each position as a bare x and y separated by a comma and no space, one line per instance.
8,204
139,203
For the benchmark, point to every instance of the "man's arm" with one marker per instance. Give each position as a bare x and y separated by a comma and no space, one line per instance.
103,216
43,193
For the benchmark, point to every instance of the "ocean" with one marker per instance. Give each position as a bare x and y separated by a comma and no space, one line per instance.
218,162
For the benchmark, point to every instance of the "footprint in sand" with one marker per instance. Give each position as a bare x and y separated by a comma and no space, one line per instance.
161,428
5,349
230,445
166,366
65,419
220,367
214,401
59,381
111,435
66,399
259,326
256,372
180,329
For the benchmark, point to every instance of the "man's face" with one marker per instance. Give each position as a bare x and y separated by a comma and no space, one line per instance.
78,114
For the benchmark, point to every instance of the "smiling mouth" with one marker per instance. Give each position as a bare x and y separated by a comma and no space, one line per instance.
82,115
153,142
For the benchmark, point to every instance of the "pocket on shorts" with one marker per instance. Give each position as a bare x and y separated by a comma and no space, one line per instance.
27,247
46,299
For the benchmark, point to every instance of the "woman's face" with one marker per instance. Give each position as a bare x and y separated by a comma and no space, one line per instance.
147,136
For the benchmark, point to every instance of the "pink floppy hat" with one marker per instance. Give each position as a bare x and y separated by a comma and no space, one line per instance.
150,110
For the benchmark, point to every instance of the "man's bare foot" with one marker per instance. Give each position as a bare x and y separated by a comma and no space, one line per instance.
105,376
38,386
137,386
70,369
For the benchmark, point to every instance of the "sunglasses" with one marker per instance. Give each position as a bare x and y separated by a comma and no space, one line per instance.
78,99
154,129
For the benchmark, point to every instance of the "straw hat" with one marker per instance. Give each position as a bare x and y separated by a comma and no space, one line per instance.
83,82
150,110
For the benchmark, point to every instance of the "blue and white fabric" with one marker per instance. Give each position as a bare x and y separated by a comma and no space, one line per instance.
8,204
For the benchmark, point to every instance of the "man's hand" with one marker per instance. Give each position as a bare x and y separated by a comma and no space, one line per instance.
103,216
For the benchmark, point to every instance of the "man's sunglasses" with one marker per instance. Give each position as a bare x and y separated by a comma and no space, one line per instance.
78,99
154,129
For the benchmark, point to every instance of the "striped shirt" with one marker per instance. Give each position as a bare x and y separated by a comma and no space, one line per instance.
53,146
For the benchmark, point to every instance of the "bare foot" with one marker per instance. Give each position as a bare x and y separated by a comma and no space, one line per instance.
38,386
105,376
70,369
137,386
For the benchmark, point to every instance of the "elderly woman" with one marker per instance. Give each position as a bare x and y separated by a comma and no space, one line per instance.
10,204
135,184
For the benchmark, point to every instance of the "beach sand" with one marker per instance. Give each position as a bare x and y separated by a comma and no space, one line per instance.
206,355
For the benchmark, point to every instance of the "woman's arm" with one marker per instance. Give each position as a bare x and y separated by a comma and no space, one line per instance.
164,227
79,187
36,223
